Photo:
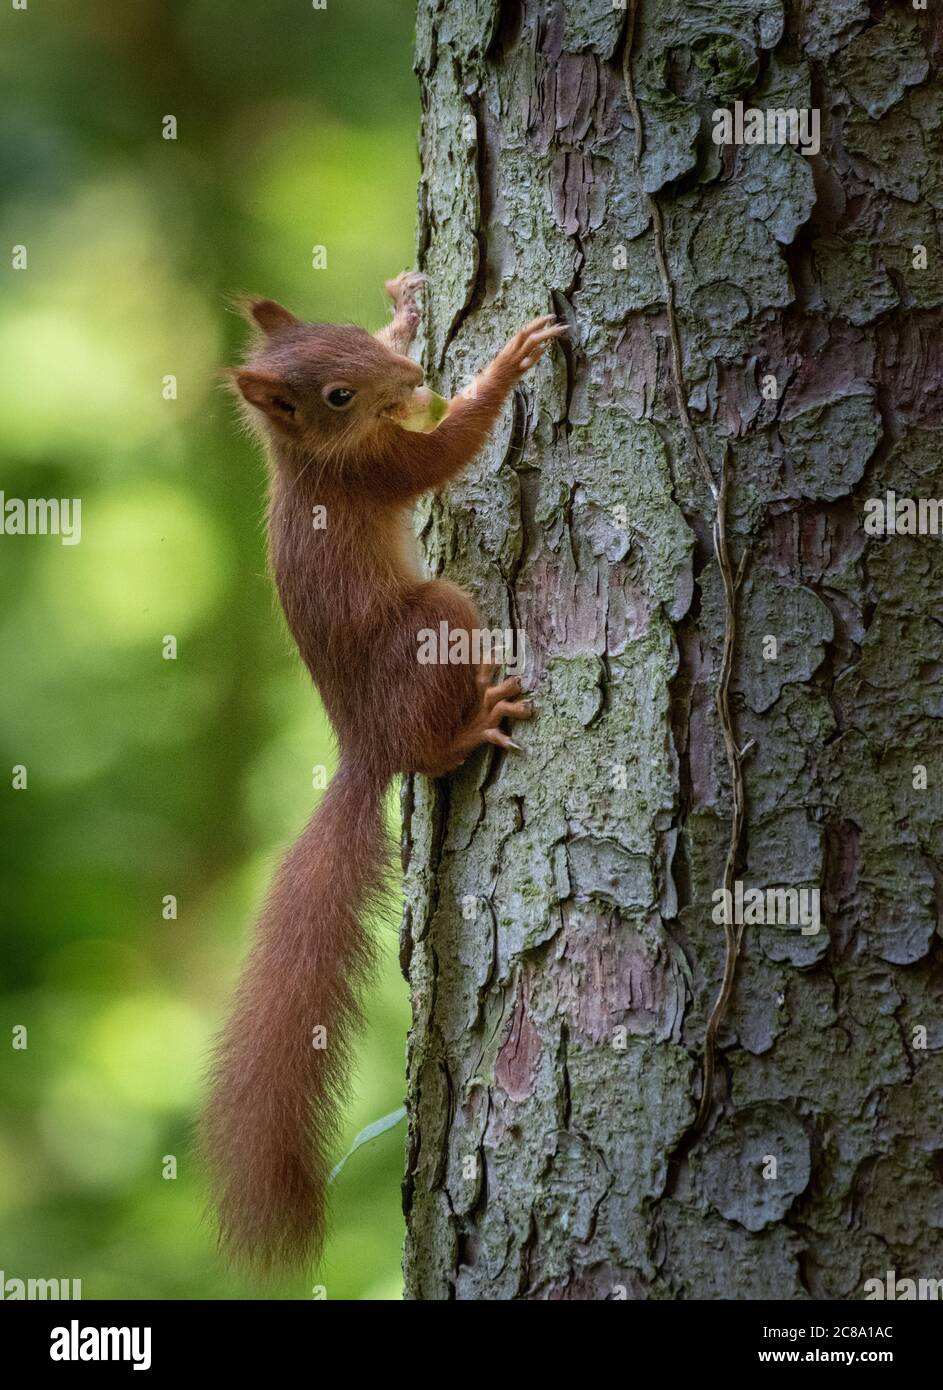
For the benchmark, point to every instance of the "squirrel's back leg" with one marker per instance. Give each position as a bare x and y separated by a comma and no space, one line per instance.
448,704
496,703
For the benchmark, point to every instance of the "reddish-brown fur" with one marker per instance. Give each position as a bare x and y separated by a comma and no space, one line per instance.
355,605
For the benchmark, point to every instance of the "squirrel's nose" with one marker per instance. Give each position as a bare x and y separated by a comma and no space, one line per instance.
412,371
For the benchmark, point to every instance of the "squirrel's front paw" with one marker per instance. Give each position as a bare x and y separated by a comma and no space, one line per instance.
528,346
404,291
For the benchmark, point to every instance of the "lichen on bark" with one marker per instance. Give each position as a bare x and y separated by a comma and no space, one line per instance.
558,935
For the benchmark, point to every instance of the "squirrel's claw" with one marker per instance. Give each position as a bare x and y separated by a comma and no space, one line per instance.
528,346
405,285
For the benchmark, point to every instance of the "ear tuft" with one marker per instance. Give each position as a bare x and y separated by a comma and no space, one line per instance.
271,316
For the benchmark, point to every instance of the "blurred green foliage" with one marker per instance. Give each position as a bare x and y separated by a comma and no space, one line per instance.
148,777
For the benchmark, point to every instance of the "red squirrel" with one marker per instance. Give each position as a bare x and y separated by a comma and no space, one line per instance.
349,427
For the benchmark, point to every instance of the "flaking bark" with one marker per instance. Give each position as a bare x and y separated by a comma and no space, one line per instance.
556,899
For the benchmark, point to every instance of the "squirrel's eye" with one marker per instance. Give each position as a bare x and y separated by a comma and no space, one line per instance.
339,396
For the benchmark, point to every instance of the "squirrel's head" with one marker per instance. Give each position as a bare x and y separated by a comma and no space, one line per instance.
330,389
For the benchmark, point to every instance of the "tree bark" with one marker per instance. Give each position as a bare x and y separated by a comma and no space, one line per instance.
558,932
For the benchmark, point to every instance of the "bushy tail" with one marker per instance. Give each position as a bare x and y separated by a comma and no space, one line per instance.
281,1065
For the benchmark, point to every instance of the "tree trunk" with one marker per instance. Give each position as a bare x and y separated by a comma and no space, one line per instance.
559,934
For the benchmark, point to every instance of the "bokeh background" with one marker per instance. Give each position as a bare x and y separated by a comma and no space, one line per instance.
296,127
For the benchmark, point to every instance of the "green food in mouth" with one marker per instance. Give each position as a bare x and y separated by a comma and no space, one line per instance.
427,414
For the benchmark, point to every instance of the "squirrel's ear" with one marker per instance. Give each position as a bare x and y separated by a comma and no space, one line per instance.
269,394
269,315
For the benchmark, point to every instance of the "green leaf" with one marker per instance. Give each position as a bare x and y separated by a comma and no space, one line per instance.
372,1131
